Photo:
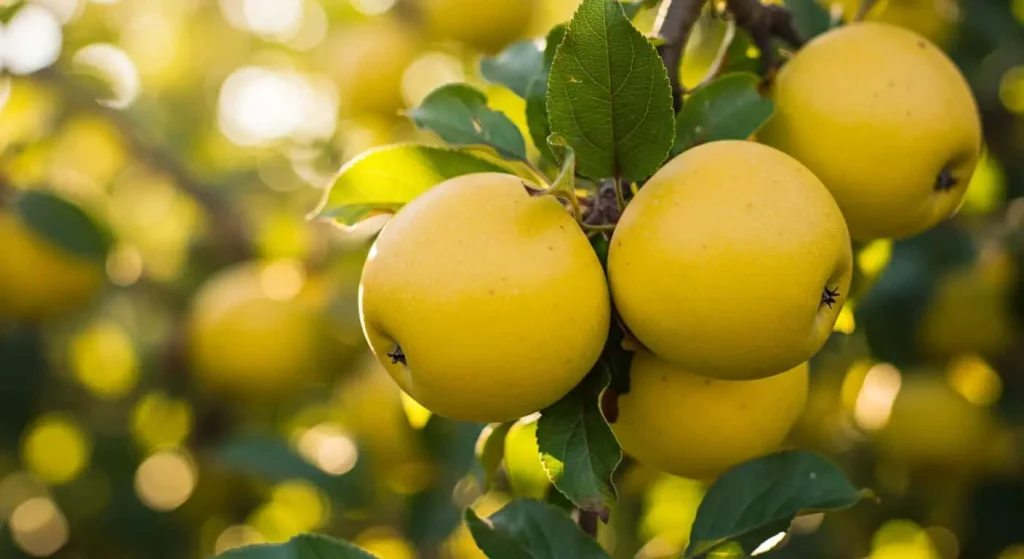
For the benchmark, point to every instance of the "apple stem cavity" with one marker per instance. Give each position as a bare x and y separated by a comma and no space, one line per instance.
945,181
829,296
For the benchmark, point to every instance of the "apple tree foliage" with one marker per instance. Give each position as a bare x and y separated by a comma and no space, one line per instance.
599,110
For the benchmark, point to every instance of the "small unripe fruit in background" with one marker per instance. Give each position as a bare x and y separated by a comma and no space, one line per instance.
488,26
249,341
40,280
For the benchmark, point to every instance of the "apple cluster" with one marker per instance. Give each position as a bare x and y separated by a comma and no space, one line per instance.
728,268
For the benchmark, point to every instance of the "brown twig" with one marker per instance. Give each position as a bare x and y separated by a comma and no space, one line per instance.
227,224
764,22
588,522
674,23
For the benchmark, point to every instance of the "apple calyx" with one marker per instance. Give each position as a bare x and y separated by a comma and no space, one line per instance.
945,181
397,356
829,296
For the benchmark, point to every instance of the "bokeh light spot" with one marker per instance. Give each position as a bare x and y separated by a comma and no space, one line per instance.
975,380
31,40
124,265
308,504
282,280
385,543
259,105
103,359
114,67
373,7
428,72
165,480
877,396
17,488
276,19
56,449
65,10
161,422
239,535
38,527
329,448
1015,551
902,539
1011,90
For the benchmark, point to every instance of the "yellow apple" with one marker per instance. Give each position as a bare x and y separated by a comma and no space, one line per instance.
484,303
971,309
249,339
488,26
40,280
733,260
886,120
368,62
698,427
932,427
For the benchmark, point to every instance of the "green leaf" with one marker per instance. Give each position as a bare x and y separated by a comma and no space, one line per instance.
617,362
631,9
531,529
765,495
809,17
64,224
609,95
601,244
577,446
385,179
537,96
459,114
551,43
737,57
305,546
515,67
537,115
729,108
490,449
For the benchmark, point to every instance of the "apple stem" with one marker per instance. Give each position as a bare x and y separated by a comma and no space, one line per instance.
620,197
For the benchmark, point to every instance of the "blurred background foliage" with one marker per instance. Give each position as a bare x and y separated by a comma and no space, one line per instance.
181,365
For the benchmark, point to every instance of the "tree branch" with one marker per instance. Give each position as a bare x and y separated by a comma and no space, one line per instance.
228,228
674,23
763,23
